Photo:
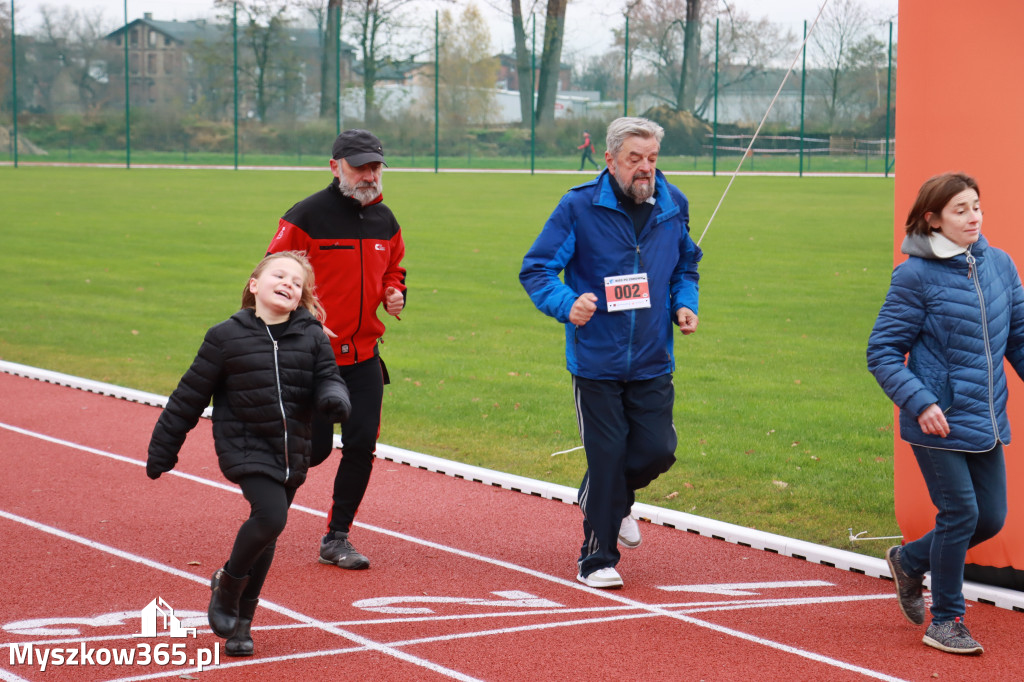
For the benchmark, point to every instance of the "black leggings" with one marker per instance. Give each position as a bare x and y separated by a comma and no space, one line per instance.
365,382
257,538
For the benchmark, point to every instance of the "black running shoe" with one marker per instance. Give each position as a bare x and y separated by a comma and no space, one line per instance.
336,549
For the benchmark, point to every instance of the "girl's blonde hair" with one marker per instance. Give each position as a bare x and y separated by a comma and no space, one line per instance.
309,299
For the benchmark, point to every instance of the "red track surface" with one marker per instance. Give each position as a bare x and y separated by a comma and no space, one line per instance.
467,581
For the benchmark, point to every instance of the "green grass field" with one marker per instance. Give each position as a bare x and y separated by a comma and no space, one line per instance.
115,275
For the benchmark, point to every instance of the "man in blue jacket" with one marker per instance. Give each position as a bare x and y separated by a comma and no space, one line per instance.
630,269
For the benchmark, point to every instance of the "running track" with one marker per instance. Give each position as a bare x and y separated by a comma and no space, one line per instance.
469,581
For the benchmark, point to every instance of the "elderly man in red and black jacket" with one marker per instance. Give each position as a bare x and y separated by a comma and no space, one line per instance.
355,245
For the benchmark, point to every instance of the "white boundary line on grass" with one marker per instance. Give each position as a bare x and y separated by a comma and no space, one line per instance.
740,535
486,171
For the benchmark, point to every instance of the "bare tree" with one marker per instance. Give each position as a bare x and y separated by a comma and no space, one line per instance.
684,74
273,69
871,57
747,48
523,64
376,26
210,77
603,73
467,70
73,59
550,61
667,38
842,27
5,64
328,19
687,94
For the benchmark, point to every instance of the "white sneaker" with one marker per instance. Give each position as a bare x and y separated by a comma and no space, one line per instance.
629,532
602,577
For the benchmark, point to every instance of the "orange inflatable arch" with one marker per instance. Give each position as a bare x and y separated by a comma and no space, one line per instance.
961,108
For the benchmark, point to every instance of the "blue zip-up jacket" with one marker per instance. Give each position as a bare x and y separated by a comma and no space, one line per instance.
957,314
589,237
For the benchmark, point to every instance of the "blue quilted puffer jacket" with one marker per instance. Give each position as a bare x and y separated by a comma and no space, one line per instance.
957,313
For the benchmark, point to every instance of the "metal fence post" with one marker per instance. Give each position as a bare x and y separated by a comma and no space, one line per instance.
14,91
625,73
127,97
234,71
437,90
714,127
888,104
803,94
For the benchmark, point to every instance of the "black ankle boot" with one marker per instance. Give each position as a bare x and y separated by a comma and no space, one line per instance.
223,611
240,644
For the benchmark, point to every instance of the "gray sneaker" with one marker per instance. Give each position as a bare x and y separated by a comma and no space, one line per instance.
952,637
909,592
336,549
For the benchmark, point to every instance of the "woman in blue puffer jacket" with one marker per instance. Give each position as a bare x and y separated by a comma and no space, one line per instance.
954,310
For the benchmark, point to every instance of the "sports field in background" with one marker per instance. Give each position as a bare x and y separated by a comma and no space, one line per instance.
115,275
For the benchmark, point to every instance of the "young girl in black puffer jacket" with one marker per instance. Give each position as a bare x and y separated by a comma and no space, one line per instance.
267,368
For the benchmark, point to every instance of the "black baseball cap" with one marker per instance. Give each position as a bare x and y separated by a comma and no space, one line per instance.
358,147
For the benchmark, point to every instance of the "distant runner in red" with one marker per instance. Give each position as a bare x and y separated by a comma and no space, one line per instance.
355,245
588,151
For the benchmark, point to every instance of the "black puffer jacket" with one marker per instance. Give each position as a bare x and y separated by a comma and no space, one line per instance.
264,394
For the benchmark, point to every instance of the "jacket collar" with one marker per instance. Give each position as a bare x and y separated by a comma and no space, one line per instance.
664,206
300,318
937,247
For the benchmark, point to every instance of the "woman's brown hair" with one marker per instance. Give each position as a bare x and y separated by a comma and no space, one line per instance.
933,196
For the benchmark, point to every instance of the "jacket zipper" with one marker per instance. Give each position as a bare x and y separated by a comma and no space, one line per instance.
280,404
638,261
362,296
972,269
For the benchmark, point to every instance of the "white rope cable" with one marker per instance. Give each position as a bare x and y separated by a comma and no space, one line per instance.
562,452
763,119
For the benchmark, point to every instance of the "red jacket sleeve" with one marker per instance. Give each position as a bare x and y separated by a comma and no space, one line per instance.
288,238
394,276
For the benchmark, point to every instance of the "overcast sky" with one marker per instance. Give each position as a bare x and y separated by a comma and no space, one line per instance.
588,22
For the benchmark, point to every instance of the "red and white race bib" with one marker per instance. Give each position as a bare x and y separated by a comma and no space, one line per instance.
627,292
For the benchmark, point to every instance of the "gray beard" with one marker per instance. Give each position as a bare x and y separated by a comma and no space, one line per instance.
635,192
364,194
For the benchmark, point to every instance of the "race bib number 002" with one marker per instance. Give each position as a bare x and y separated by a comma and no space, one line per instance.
627,292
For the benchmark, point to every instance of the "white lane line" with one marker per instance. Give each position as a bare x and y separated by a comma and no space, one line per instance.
683,607
740,589
272,606
10,677
810,655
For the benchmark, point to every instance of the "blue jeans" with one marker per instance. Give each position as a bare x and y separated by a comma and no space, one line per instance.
969,490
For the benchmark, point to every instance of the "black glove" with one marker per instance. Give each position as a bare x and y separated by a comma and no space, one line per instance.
155,467
338,407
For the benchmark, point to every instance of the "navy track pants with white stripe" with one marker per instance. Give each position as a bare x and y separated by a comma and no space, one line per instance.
629,438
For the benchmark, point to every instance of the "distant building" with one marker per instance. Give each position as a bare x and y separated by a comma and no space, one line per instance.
162,59
508,74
